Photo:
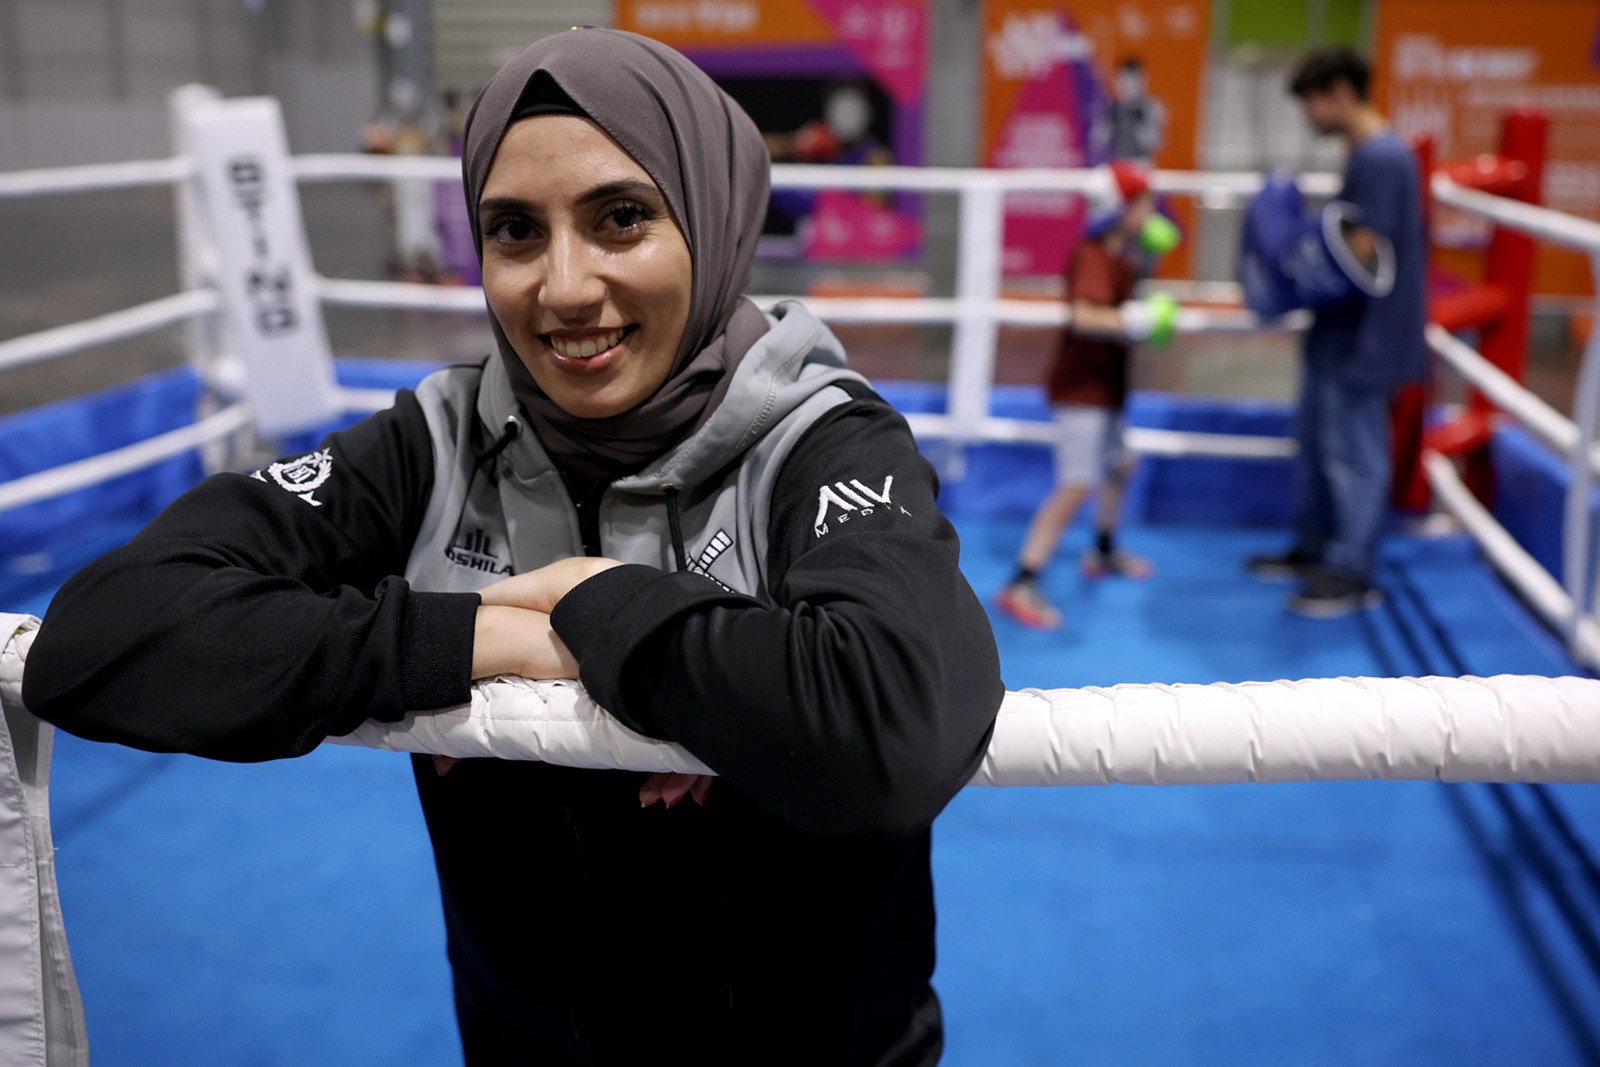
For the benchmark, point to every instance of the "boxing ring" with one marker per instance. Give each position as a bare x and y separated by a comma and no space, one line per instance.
1500,729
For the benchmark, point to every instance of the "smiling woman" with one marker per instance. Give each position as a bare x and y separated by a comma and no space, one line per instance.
693,507
585,269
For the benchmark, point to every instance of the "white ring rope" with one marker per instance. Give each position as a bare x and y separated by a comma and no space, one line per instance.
94,177
1527,574
1509,395
346,292
104,329
1557,227
1504,729
147,453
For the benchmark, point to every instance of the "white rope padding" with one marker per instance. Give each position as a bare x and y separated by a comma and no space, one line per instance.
356,166
346,292
1557,227
1503,729
1508,394
366,401
16,638
1515,564
849,310
1509,728
104,329
94,177
108,465
1146,440
1236,185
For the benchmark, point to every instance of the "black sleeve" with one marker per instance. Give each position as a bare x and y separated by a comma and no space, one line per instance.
260,613
864,699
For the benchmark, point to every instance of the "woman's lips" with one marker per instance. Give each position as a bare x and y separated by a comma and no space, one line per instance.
587,353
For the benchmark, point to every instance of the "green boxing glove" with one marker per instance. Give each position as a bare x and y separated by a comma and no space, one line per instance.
1159,235
1152,319
1165,309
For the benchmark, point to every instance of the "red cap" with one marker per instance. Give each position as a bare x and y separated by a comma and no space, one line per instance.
1132,178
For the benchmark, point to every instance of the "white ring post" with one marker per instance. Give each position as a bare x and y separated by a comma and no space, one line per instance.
252,213
1576,527
977,288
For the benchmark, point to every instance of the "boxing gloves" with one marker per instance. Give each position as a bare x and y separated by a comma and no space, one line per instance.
1290,260
1151,319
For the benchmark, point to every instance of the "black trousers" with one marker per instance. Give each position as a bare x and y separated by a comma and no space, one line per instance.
489,1039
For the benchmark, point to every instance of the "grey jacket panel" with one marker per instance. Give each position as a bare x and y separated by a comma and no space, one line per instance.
41,1013
515,515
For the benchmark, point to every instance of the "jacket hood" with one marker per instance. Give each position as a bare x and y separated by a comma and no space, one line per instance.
794,360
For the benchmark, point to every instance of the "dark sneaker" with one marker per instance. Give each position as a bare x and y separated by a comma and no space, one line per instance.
1024,602
1325,595
1282,566
1096,564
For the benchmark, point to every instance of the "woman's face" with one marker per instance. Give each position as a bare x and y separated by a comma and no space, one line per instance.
584,266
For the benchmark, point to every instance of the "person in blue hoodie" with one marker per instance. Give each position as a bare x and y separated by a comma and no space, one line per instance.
1356,355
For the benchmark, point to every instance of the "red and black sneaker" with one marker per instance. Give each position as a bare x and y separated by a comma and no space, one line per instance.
1024,602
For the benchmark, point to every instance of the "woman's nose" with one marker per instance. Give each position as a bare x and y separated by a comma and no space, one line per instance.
571,284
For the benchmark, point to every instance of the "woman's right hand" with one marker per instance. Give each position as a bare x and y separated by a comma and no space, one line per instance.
509,640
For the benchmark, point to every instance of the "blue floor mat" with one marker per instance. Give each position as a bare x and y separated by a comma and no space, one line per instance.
287,913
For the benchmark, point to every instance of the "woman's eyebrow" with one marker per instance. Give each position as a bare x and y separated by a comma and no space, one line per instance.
599,192
622,185
503,203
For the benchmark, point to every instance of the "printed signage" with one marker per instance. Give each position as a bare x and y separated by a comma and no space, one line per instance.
826,81
1451,69
263,263
1081,83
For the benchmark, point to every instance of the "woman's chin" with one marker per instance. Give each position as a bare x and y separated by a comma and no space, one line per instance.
593,398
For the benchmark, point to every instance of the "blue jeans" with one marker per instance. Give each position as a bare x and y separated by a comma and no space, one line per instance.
1344,472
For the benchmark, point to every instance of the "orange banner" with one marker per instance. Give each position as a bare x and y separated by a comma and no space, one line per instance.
1451,69
1080,82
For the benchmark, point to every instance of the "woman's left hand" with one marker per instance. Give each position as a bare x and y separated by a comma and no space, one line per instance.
671,788
542,589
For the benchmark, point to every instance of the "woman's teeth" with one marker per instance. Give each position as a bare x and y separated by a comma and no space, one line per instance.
572,348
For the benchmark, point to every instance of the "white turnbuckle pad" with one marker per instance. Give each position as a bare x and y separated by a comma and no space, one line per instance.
269,294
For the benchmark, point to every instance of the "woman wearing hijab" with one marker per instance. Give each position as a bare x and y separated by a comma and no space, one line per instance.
690,505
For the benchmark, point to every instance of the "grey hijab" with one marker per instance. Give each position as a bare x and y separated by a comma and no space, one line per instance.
710,163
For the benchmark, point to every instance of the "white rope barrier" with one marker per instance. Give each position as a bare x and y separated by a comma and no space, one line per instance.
94,177
327,167
1502,729
356,166
366,401
1146,440
147,453
1508,728
345,292
1151,441
104,329
1557,227
1541,591
1545,422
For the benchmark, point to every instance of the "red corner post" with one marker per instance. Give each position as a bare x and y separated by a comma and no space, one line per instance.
1498,306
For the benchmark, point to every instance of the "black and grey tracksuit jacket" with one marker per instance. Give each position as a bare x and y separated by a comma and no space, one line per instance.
792,614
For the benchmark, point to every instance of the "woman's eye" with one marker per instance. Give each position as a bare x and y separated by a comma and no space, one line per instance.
513,231
626,216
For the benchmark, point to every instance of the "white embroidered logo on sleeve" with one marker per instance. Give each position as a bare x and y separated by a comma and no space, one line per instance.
850,498
301,476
